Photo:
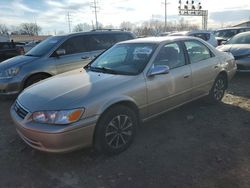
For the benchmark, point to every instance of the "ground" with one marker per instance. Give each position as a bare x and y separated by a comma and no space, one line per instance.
198,145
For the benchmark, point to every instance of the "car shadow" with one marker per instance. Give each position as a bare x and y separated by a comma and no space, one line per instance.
243,79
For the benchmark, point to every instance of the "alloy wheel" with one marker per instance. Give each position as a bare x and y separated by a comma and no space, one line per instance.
119,131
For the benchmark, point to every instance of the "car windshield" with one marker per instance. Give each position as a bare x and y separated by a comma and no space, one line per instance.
243,38
127,59
45,46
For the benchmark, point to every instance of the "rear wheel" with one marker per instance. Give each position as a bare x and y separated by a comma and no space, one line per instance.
218,90
34,79
115,130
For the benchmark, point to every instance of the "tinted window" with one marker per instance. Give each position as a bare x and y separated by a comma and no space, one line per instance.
77,44
4,46
104,41
226,33
45,46
197,51
171,55
204,36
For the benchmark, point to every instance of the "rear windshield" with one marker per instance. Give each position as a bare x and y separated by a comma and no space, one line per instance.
45,46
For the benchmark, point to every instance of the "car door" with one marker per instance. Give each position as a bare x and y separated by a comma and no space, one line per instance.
166,91
204,65
77,54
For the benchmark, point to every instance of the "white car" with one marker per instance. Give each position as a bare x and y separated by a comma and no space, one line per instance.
203,34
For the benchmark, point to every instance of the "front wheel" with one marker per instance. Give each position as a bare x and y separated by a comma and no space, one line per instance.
115,130
218,90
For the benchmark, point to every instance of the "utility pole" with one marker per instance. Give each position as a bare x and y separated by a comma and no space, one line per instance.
166,19
69,21
165,15
95,10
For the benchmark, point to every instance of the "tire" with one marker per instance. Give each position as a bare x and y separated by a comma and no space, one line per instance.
218,90
115,130
34,79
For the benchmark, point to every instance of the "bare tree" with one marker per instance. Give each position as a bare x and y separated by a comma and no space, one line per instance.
82,27
128,26
30,28
4,30
110,26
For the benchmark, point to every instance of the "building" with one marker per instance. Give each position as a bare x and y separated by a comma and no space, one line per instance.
27,38
243,24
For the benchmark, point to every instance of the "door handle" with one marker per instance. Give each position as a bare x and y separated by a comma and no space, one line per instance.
186,76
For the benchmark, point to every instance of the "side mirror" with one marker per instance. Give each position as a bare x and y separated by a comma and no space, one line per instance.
158,69
60,52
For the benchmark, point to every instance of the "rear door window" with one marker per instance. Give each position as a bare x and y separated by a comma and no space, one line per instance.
171,55
76,44
197,51
105,41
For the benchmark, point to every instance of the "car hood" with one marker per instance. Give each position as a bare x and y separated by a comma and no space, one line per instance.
236,49
69,90
16,61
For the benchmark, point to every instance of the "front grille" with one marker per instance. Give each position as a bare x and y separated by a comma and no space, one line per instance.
21,112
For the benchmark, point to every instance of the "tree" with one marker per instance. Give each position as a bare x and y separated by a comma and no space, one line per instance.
29,28
110,26
128,26
4,30
82,27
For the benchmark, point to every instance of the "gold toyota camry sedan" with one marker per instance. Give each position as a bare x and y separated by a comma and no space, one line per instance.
101,104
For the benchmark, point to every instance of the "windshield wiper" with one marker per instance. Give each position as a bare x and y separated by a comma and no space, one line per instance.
103,69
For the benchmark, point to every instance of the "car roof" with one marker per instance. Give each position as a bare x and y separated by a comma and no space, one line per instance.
243,33
157,40
190,32
232,28
95,32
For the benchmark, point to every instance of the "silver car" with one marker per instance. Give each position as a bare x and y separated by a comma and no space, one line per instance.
239,46
202,34
56,55
134,81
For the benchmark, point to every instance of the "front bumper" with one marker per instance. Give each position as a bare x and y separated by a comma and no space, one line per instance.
10,86
52,138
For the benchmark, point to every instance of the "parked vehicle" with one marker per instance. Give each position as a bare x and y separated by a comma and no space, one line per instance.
163,34
133,81
222,35
9,50
30,45
239,46
55,55
203,34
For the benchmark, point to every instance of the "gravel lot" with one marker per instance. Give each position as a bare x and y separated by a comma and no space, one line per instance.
197,145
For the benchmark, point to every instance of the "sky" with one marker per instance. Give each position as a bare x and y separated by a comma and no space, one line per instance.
51,14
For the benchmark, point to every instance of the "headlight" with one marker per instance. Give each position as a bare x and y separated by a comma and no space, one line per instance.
61,117
9,73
